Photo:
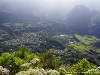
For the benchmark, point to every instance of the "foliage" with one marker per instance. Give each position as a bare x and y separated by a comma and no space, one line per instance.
83,66
76,48
25,66
54,63
79,47
87,40
49,60
30,72
23,59
21,52
6,59
1,70
38,72
53,72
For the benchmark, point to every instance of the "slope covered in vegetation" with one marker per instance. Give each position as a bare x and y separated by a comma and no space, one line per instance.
24,62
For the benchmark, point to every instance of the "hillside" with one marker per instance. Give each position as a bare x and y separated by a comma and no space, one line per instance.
31,44
41,35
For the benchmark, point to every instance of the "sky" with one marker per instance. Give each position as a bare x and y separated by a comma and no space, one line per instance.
47,6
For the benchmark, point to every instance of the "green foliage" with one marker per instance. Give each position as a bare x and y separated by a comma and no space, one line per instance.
49,61
18,61
87,40
35,62
65,69
13,61
48,55
6,59
54,63
83,66
62,70
23,59
79,47
24,62
21,52
46,58
25,66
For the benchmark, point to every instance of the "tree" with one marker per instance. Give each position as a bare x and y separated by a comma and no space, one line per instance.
21,52
54,63
6,59
82,66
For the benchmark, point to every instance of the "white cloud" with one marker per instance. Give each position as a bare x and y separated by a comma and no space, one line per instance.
48,5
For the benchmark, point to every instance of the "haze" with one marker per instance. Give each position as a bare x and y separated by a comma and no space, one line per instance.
47,7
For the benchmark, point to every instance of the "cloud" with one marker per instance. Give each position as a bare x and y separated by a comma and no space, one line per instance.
46,5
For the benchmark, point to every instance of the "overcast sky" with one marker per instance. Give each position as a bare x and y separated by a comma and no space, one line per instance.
46,5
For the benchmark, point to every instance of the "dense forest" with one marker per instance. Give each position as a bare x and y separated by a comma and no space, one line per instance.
35,45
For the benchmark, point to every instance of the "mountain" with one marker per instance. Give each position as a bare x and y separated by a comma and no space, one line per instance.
13,17
78,21
40,34
95,25
79,18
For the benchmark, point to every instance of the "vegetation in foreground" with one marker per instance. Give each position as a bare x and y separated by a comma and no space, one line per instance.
24,62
